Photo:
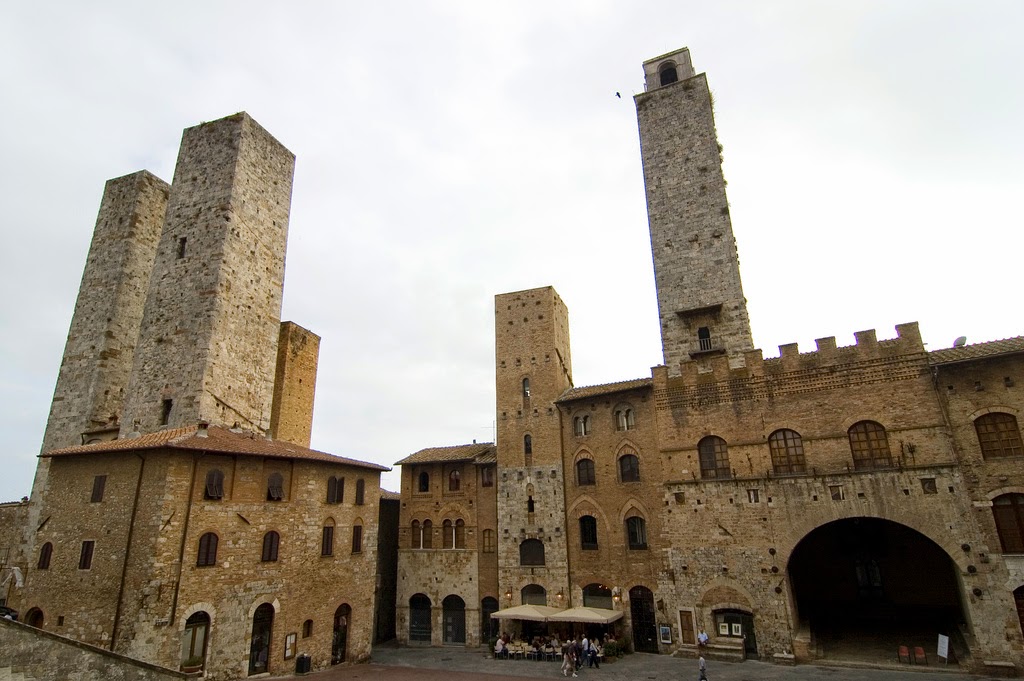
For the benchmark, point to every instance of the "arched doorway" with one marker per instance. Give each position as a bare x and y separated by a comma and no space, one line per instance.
453,619
488,627
339,644
419,619
259,647
641,609
193,640
863,580
34,618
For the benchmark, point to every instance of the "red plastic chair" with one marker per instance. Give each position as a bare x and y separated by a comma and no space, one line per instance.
919,656
903,654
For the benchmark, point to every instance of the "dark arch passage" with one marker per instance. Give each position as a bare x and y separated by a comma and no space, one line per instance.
874,584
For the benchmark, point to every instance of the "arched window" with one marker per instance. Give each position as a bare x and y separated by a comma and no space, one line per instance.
424,482
416,540
207,550
454,481
271,542
460,534
531,552
44,556
193,641
307,628
704,339
714,458
489,545
327,539
624,418
581,425
636,533
585,472
597,596
335,490
588,533
360,492
534,594
526,388
667,74
1008,511
869,445
448,534
357,539
275,487
214,485
787,450
629,466
527,444
428,534
998,435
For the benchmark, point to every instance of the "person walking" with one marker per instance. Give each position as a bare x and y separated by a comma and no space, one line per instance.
568,663
702,666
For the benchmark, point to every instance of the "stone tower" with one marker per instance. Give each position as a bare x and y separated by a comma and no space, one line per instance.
291,417
696,266
532,369
207,348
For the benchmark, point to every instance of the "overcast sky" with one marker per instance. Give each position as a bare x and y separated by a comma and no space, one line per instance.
450,151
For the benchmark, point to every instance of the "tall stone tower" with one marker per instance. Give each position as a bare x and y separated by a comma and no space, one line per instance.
207,347
533,368
696,266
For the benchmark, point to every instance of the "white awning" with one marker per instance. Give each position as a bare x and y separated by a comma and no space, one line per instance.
586,615
532,613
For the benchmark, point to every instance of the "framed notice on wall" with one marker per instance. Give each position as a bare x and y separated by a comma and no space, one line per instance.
666,633
289,646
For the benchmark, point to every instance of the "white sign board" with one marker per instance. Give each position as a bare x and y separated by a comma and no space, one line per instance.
943,650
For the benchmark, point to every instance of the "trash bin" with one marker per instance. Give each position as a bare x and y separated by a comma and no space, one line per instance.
303,663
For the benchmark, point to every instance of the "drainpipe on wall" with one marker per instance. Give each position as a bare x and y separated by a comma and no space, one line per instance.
127,552
184,536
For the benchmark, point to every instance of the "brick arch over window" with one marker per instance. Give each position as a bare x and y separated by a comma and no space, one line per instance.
869,445
998,435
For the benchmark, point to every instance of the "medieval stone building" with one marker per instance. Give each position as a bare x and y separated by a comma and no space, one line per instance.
178,515
872,492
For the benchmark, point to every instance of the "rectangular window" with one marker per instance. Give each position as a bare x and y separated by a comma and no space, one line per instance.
487,476
837,492
928,486
165,412
98,483
327,546
753,496
489,541
85,559
357,539
182,242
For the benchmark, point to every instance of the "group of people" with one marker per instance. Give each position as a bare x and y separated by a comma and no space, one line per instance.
540,645
581,650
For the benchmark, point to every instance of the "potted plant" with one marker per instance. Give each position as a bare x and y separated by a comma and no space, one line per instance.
192,664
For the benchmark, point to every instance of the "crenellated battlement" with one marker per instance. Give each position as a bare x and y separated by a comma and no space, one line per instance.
825,367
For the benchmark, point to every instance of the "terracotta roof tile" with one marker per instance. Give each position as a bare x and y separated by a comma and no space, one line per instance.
604,389
219,440
454,453
977,351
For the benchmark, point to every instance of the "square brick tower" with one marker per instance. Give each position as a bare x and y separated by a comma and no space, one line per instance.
532,369
207,346
696,266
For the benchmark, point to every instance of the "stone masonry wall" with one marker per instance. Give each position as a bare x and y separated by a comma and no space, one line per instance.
291,417
532,342
43,656
211,324
696,264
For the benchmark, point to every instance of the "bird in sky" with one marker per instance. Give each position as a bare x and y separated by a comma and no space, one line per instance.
618,95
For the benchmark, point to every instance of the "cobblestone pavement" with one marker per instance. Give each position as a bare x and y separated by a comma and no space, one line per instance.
391,663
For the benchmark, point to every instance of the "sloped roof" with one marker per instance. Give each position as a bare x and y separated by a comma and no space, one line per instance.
388,494
217,439
454,453
604,389
966,353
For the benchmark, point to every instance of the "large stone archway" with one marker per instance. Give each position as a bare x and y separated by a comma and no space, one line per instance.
865,586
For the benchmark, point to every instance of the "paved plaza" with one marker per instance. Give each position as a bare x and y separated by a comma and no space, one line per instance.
391,663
